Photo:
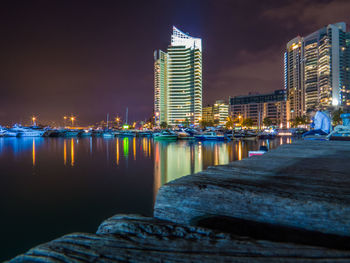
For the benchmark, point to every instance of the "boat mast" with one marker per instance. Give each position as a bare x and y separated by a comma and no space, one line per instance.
107,120
126,115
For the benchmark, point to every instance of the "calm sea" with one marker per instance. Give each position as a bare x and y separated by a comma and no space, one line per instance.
53,186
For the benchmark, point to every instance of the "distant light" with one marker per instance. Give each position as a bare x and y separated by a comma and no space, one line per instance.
335,102
125,126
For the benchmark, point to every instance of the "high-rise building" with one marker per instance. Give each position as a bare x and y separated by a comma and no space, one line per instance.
317,70
178,80
294,79
160,86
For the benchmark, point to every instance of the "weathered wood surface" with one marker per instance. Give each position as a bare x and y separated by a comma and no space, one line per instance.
134,238
304,185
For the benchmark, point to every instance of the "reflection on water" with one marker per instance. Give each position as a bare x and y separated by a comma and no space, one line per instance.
172,160
33,152
71,182
72,152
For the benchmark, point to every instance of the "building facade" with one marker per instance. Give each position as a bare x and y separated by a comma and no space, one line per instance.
317,70
207,114
260,106
294,78
220,111
217,113
178,81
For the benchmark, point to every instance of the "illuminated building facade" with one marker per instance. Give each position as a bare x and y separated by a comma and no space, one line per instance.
220,111
294,83
260,106
178,80
160,86
207,114
317,70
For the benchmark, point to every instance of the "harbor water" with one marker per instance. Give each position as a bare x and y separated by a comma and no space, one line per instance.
53,186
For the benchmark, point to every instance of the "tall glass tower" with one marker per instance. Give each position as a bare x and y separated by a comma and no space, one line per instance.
178,81
294,84
318,65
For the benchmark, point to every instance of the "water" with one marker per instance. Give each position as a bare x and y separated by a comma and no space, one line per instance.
53,186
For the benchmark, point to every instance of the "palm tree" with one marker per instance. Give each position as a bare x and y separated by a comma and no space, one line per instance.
267,122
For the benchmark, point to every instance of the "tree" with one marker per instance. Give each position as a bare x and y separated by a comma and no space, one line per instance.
337,120
186,123
248,122
230,123
267,122
303,120
163,125
205,124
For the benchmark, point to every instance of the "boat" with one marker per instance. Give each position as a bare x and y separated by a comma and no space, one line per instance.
127,134
71,133
183,135
165,135
85,133
144,134
267,135
209,136
2,131
245,135
20,131
262,150
108,134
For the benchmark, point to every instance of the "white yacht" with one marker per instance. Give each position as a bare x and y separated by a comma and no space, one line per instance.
19,131
2,131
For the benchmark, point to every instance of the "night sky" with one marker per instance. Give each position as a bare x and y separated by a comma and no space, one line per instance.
89,58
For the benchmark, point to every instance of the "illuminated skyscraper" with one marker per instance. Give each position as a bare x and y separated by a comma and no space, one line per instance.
160,86
178,80
326,81
294,79
317,70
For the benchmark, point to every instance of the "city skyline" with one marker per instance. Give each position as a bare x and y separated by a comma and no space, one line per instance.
78,58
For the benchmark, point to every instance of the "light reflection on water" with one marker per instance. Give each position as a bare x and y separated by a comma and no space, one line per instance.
172,160
75,183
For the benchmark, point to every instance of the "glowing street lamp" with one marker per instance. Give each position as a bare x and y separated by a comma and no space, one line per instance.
72,119
34,120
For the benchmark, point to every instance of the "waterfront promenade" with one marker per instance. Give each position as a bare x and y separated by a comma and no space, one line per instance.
289,205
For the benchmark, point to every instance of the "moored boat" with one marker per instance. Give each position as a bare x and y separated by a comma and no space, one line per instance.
2,131
165,135
183,135
209,136
71,133
20,131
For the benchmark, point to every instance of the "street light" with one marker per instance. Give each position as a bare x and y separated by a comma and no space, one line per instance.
117,119
34,119
72,119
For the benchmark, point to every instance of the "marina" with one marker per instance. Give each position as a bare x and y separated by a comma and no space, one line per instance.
213,134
